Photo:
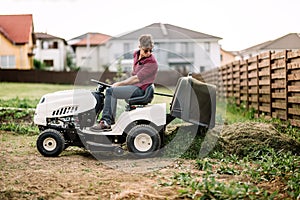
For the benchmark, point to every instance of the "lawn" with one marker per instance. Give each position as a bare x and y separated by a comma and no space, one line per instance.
250,159
34,91
29,90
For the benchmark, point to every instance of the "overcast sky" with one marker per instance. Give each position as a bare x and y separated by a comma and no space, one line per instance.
241,23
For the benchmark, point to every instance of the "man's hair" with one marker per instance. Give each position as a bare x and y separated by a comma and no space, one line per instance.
146,41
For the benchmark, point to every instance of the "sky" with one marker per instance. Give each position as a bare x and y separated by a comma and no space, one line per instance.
240,23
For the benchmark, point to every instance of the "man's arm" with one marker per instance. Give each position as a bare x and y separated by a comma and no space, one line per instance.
129,81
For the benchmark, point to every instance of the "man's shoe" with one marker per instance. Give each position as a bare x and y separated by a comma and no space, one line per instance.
102,126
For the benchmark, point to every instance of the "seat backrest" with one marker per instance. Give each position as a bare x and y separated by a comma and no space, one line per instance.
145,99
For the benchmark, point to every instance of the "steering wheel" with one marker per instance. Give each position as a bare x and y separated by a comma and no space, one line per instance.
101,83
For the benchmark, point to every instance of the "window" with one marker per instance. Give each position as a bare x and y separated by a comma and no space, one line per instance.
127,51
156,47
54,45
50,45
202,69
48,63
127,68
207,46
8,61
187,50
181,50
184,47
45,45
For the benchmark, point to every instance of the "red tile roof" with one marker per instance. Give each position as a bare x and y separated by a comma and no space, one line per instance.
16,28
94,39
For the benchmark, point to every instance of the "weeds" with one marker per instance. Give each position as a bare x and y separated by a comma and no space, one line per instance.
269,167
18,119
208,187
19,103
19,128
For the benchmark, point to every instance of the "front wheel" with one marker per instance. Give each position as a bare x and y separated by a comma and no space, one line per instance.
50,143
143,140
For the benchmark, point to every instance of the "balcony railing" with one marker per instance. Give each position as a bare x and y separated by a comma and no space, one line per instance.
181,55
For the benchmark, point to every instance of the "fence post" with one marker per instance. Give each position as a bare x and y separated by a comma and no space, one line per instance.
247,85
257,85
270,83
222,89
286,85
239,82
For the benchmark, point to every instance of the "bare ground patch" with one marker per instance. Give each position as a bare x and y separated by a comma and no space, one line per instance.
76,174
25,174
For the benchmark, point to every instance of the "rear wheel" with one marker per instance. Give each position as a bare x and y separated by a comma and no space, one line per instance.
143,140
50,143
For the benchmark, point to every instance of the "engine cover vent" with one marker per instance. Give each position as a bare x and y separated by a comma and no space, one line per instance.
65,110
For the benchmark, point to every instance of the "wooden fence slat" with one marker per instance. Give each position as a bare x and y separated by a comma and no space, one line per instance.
294,88
295,122
294,54
278,105
278,95
294,111
295,76
294,100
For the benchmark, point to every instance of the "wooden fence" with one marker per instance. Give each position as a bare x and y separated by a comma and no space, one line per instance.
268,83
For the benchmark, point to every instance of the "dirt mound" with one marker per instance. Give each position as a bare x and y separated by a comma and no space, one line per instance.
241,138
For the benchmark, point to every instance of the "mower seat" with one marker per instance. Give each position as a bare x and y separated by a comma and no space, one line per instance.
142,100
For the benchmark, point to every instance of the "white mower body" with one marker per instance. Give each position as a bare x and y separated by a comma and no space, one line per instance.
62,104
73,102
156,114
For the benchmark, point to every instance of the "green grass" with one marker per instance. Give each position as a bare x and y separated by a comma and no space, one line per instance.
34,91
28,90
249,175
24,96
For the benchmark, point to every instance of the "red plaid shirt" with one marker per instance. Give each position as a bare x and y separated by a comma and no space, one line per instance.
146,69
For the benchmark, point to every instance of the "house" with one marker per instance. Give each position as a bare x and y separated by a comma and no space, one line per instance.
52,51
16,41
176,48
90,51
290,41
227,56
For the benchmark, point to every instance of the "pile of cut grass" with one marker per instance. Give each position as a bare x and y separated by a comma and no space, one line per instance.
242,138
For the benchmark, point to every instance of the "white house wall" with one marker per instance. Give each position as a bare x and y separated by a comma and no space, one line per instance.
57,55
201,58
215,54
97,58
116,52
207,59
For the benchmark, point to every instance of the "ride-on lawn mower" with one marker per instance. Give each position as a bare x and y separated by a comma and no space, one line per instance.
65,117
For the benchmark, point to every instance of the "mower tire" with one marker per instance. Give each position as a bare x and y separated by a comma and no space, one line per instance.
143,141
50,143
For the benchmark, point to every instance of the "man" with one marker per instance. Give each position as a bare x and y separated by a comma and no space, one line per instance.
144,72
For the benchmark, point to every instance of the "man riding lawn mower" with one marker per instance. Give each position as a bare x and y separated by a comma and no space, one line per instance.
65,118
